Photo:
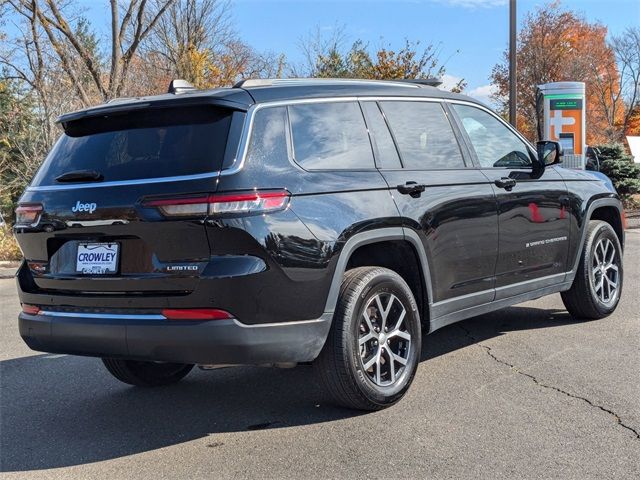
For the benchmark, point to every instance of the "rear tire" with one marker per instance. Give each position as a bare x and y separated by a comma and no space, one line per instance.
371,354
146,374
596,289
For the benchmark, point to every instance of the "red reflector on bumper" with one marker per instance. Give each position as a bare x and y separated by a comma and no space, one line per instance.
195,314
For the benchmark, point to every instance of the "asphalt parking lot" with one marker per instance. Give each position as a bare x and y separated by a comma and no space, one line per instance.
526,392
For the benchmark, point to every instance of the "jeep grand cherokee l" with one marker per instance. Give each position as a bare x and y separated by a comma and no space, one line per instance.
280,222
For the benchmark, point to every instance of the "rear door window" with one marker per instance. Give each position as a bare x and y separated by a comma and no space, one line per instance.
386,153
330,136
138,145
424,135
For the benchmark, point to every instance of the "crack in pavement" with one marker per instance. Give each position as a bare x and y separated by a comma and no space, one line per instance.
489,352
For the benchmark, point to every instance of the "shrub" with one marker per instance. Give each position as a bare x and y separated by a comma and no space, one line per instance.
9,249
618,165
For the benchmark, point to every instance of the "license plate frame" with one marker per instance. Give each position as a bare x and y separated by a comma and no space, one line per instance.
104,260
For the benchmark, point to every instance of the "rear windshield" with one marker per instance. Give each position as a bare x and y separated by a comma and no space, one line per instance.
137,145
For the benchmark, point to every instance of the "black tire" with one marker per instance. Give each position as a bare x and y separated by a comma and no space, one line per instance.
582,300
340,365
146,374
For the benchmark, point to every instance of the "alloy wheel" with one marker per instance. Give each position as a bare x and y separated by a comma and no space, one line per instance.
605,271
384,341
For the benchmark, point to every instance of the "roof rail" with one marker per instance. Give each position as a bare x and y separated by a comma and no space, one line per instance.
269,82
180,86
429,82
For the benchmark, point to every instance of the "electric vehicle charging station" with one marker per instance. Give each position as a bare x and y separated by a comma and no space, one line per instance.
564,121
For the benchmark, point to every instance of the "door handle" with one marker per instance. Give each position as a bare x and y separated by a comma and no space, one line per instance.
506,183
411,188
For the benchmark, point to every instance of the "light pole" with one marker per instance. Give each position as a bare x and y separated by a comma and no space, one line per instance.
512,63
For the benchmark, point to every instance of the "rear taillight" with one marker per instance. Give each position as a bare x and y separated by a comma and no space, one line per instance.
30,309
246,203
181,207
196,314
254,202
28,215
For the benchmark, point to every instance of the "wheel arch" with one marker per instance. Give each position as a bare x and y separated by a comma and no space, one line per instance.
611,215
606,209
388,243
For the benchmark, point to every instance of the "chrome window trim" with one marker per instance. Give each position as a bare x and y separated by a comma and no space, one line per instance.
248,129
118,183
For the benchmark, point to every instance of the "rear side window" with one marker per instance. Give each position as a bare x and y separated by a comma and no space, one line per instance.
330,136
138,145
424,135
268,135
387,155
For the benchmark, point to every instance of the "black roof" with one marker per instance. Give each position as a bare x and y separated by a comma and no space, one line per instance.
251,92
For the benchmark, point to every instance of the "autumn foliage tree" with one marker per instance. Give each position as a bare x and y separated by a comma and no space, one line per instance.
195,41
555,45
327,58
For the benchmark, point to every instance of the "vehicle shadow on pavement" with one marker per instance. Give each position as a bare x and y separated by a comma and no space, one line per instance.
58,411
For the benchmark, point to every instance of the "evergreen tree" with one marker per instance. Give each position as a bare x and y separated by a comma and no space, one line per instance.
618,165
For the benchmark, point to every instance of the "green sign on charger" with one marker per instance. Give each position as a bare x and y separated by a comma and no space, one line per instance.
565,104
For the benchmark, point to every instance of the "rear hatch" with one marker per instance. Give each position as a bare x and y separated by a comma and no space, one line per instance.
89,224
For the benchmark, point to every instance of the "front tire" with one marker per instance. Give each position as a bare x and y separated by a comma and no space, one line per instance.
596,289
371,354
146,374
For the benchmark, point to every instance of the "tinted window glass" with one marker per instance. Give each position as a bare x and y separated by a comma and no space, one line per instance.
387,153
158,143
330,136
424,135
495,145
268,137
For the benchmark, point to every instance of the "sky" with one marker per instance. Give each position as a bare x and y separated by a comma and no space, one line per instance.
472,34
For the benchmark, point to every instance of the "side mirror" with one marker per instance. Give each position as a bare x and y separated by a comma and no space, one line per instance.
549,153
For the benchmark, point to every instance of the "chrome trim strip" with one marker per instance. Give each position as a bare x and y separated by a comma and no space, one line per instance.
324,318
118,183
104,316
156,316
96,223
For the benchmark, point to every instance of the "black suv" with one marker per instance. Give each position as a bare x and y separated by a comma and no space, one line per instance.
287,221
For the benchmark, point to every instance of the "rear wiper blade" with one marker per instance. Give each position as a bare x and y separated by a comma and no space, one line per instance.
80,176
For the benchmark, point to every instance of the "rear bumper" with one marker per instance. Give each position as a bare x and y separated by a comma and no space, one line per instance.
151,337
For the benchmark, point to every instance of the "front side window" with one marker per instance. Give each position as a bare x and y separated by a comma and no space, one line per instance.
424,135
330,136
496,146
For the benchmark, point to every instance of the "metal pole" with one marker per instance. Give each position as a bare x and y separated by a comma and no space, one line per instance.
512,63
